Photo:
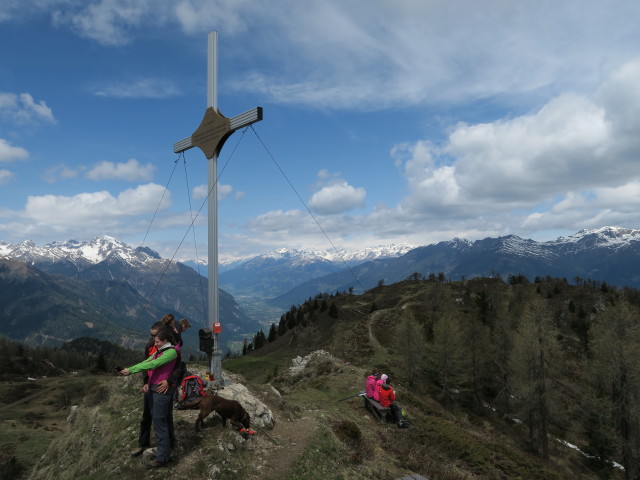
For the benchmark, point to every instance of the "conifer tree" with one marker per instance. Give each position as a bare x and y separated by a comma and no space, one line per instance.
446,358
615,374
534,355
272,333
411,346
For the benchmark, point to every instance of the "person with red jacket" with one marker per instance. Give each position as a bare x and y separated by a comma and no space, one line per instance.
388,400
379,382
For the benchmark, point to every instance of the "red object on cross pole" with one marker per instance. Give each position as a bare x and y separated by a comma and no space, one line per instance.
217,327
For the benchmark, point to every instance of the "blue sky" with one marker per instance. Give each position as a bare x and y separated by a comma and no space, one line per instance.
404,121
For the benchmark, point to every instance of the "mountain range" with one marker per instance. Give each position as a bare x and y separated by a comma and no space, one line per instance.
609,254
274,273
144,286
130,287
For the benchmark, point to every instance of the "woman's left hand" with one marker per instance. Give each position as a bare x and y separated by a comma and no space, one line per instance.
163,386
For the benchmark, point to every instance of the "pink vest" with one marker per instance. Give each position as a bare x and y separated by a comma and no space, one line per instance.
370,386
163,372
376,392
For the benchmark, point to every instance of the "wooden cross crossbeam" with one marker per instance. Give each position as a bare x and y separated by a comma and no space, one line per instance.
215,129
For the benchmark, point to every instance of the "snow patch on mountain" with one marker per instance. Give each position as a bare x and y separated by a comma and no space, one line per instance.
526,248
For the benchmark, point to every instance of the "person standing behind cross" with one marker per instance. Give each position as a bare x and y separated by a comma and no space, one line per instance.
160,366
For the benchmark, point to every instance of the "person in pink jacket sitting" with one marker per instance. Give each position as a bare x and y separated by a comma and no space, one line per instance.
379,383
370,385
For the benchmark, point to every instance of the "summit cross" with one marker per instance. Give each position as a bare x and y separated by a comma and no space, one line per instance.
210,137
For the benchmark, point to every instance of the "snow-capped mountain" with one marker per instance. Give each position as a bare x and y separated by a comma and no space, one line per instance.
274,273
107,265
610,254
80,254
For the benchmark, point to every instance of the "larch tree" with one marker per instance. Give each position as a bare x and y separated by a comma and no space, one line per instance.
615,375
446,356
411,346
532,362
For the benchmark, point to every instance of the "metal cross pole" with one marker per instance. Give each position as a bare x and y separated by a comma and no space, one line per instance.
210,137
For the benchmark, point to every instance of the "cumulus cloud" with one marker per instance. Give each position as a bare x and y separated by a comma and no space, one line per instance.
129,171
22,109
9,153
95,209
337,198
570,164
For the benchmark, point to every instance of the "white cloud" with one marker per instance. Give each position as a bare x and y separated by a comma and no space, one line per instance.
417,53
338,55
337,198
109,22
572,144
196,16
95,209
141,88
5,177
22,109
9,153
570,164
202,191
129,171
62,172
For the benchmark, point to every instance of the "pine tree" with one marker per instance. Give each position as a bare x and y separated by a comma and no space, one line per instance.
272,333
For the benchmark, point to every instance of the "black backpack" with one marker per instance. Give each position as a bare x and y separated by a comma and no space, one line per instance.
192,390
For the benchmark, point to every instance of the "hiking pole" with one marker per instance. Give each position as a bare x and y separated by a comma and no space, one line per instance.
350,396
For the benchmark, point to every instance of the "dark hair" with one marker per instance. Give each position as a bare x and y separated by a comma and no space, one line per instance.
185,323
157,326
164,334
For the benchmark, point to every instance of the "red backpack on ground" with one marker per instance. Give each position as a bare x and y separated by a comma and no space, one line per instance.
192,390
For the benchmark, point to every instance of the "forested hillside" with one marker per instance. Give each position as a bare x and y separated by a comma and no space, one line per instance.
549,361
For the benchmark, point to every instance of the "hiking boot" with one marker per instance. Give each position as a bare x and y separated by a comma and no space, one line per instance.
137,452
156,464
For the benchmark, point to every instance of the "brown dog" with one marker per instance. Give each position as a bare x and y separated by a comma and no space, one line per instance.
227,409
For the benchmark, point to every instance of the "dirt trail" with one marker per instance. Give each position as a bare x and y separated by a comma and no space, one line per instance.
292,436
372,339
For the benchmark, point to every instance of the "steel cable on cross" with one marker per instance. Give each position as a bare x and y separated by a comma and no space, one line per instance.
191,226
304,204
194,218
195,243
107,323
